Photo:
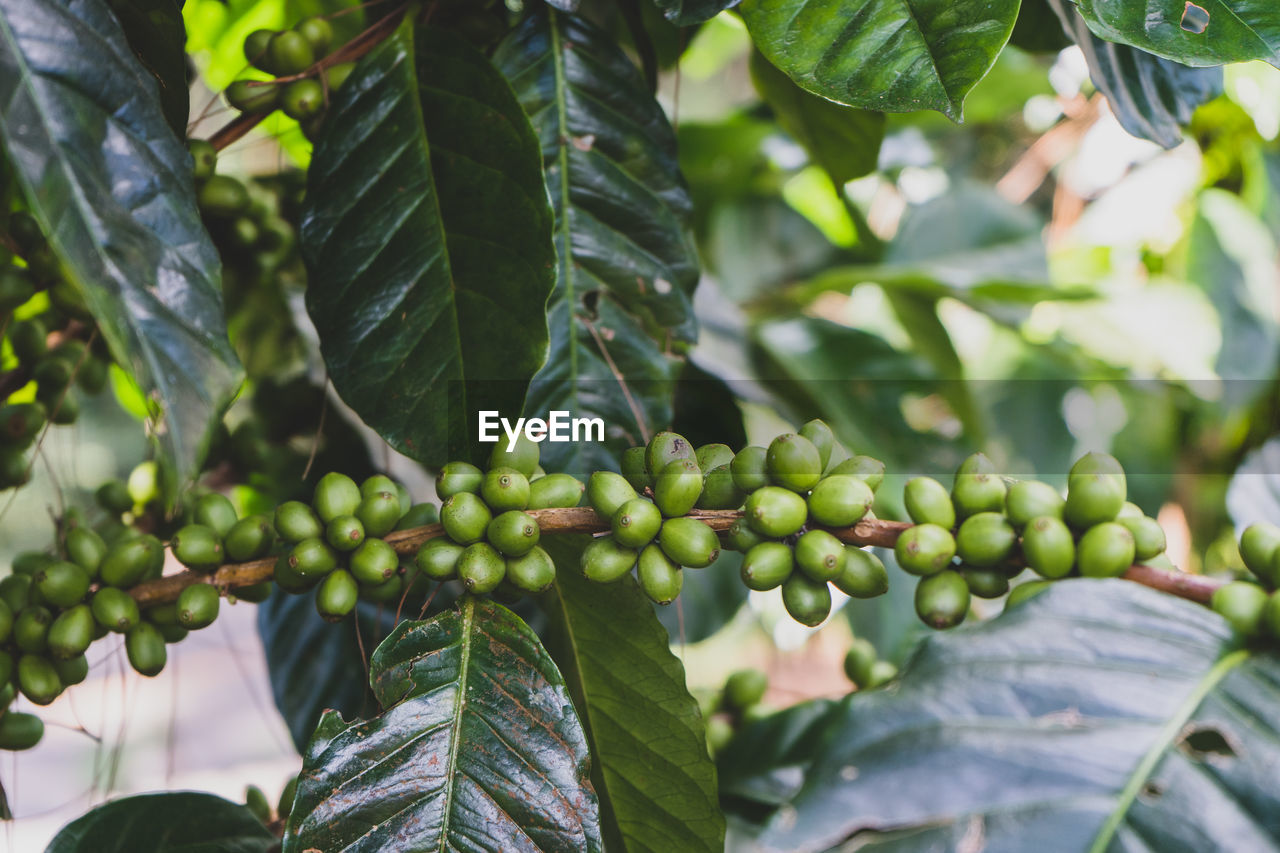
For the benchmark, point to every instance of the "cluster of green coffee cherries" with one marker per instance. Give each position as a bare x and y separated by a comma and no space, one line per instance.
289,55
240,223
336,543
738,702
490,541
986,530
1252,607
45,325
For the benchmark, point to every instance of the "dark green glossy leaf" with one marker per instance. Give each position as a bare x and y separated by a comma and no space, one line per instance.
885,55
1100,714
706,411
765,764
182,822
428,243
478,748
1151,97
844,141
158,37
1038,29
656,783
687,12
709,599
1193,32
111,185
627,264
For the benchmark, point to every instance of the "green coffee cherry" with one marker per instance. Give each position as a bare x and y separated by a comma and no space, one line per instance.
248,539
20,423
419,515
204,158
555,491
1259,545
1148,536
14,470
16,288
942,600
465,518
840,501
533,572
928,502
255,49
163,615
1242,605
1093,499
985,539
72,670
458,477
719,490
665,448
256,802
606,491
677,487
6,624
222,197
336,596
710,456
1029,499
776,512
289,53
985,582
859,660
71,633
740,537
144,646
114,609
28,339
318,33
820,555
1130,510
523,457
92,375
37,679
793,462
198,606
20,731
1025,591
344,533
766,566
374,562
285,804
198,548
170,634
438,559
748,469
338,74
216,512
882,672
335,495
513,533
312,558
659,577
62,584
808,601
636,523
1105,550
379,513
505,489
821,437
865,468
1097,464
30,562
290,579
689,542
924,549
1048,547
719,732
634,468
295,521
863,576
15,591
253,96
982,491
388,590
86,549
302,99
605,561
376,483
744,688
481,568
8,692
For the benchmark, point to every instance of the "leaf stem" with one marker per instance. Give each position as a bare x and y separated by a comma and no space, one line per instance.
873,532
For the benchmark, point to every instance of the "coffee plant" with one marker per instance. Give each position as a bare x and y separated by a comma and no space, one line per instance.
671,373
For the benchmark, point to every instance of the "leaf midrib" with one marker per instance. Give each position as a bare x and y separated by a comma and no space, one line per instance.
467,611
566,236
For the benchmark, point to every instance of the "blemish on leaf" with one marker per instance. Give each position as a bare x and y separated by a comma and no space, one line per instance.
583,143
1195,19
1152,790
1207,743
974,839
